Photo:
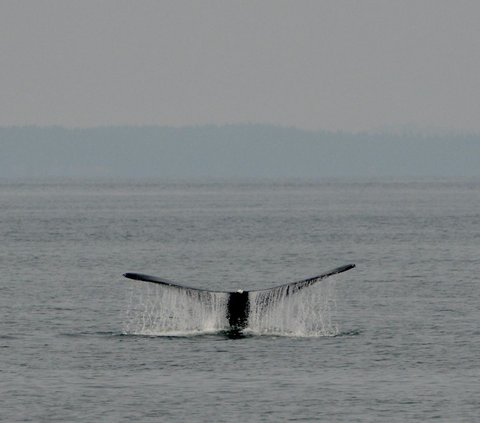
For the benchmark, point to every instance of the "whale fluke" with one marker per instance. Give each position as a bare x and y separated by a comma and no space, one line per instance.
238,306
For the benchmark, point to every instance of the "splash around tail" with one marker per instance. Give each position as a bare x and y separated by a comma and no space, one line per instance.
171,309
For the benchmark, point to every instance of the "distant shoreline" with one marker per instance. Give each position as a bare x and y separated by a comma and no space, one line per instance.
247,151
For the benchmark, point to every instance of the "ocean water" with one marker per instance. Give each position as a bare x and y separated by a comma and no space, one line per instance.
396,339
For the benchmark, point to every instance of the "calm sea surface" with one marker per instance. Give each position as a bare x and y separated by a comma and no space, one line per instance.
402,341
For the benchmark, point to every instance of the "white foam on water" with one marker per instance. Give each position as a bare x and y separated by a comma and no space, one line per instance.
308,312
165,311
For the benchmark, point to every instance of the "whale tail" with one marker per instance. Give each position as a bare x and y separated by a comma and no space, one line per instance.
239,302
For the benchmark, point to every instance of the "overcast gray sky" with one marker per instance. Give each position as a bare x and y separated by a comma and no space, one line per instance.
351,65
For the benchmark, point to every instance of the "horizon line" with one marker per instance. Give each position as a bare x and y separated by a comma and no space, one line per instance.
398,130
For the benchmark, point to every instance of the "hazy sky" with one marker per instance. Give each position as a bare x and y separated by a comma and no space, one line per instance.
349,65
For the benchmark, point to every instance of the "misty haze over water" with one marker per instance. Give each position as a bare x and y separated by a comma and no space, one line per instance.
232,151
